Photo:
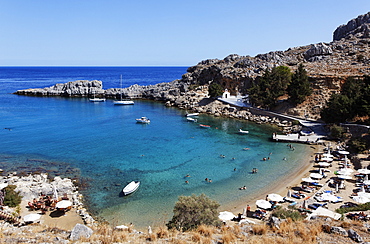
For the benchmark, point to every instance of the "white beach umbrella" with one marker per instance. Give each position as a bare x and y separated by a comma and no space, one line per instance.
343,152
31,217
364,194
336,187
3,185
366,182
63,204
316,176
364,171
345,177
329,197
345,171
309,180
275,197
361,199
327,155
323,164
263,204
226,215
326,159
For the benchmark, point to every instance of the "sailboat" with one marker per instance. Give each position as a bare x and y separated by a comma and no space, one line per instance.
122,101
94,99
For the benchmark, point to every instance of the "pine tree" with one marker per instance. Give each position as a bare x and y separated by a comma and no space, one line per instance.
299,88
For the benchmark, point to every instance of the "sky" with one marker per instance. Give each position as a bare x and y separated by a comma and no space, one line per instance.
160,32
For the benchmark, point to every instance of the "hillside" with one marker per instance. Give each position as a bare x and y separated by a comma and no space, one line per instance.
327,64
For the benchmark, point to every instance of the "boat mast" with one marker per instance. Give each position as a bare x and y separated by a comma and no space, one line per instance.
121,87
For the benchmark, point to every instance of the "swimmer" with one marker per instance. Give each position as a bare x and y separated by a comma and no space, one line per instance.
210,181
187,182
222,156
206,179
284,158
247,148
234,169
187,175
233,158
264,159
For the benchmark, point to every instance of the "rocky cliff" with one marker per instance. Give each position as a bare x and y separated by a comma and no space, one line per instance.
327,64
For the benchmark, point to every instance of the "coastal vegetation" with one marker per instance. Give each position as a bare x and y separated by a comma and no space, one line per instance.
215,90
192,211
280,81
11,197
352,104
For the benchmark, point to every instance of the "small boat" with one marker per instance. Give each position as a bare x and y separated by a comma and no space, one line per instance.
143,120
95,99
131,187
123,101
190,119
193,114
243,131
204,126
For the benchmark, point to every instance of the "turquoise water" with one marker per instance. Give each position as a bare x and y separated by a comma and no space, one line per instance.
104,145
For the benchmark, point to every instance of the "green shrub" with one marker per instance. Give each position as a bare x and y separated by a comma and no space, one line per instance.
12,198
358,145
360,207
336,132
215,90
193,211
287,213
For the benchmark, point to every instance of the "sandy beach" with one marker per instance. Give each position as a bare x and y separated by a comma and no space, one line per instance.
280,187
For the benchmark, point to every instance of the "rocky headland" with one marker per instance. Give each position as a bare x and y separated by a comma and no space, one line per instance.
328,65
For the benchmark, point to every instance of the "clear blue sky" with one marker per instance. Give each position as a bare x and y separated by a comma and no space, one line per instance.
159,32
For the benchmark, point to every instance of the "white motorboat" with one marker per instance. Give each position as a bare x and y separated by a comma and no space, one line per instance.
123,101
143,120
243,131
191,119
131,187
193,114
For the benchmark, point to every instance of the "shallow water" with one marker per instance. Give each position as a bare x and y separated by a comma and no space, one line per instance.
104,144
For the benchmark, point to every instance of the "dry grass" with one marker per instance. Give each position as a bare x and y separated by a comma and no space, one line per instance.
205,230
162,232
289,232
259,229
228,237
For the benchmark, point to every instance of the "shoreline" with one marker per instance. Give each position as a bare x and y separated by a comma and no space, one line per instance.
281,187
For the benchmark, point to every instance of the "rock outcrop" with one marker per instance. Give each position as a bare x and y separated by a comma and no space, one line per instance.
71,89
359,27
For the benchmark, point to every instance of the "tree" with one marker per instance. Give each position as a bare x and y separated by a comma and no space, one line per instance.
338,109
215,90
192,211
271,85
299,88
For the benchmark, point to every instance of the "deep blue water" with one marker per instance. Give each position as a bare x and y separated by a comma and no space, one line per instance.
103,144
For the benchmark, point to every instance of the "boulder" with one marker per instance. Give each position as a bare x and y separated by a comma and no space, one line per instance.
80,231
338,230
354,236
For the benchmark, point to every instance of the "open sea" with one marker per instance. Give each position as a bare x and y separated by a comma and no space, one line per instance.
104,147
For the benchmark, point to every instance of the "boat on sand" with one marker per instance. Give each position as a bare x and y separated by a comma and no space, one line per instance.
131,187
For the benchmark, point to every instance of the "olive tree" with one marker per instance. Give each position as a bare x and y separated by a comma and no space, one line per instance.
191,211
